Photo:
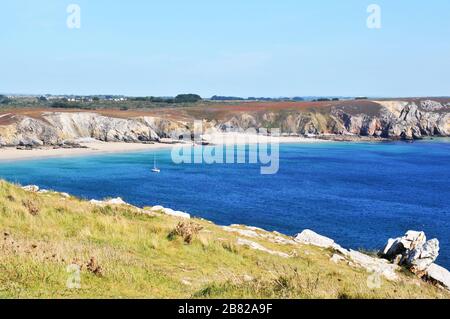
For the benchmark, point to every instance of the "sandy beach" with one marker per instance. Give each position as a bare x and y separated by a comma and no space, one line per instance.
11,153
98,147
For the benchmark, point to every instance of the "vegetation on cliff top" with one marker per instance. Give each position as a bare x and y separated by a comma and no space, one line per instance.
125,253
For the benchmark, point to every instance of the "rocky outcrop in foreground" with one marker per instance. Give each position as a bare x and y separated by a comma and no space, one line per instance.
414,252
411,251
341,121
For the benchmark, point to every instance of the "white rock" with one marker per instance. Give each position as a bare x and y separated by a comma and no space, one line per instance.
113,201
96,202
340,249
66,195
412,250
281,240
371,264
243,232
31,188
440,275
413,239
116,201
172,212
255,228
311,238
251,232
256,246
422,257
337,258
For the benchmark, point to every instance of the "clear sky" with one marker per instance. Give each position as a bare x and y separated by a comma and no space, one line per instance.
226,47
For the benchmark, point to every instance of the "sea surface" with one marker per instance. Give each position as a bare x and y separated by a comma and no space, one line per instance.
359,194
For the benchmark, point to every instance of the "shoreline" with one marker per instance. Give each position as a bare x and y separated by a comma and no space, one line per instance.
8,154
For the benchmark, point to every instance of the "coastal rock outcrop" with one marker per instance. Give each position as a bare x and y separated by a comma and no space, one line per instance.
418,255
439,275
309,237
412,250
421,258
356,258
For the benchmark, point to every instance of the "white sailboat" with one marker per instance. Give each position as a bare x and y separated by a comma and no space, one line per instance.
155,169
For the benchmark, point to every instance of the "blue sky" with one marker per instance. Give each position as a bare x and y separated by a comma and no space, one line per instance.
233,47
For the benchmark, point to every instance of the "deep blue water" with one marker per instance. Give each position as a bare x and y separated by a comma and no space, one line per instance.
360,194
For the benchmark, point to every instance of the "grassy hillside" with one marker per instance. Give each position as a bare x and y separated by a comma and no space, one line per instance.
125,253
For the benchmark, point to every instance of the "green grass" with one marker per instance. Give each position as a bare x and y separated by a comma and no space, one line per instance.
138,258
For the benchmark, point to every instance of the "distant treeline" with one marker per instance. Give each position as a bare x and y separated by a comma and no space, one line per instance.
252,98
80,102
180,98
326,99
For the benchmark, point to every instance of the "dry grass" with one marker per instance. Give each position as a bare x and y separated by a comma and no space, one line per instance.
186,230
121,252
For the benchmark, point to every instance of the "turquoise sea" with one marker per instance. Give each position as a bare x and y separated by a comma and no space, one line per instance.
359,194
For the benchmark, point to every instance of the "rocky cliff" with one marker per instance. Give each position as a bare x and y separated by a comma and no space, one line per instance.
57,128
411,119
387,119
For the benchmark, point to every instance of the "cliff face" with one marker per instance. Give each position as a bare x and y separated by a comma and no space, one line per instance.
373,119
387,119
55,128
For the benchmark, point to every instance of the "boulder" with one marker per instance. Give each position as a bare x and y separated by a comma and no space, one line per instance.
403,245
174,213
439,275
412,251
420,258
308,237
